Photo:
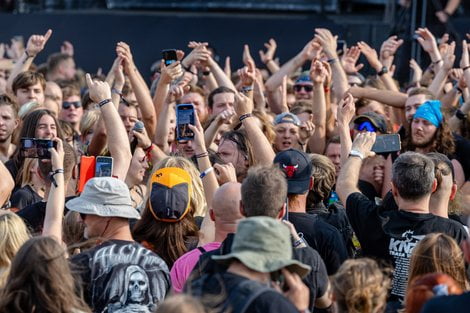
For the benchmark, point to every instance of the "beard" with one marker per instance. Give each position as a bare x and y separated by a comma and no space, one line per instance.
422,143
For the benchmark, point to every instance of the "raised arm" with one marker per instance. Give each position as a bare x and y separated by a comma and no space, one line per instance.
311,50
118,142
429,44
389,97
329,44
35,45
317,141
349,174
346,111
440,79
268,57
140,88
56,200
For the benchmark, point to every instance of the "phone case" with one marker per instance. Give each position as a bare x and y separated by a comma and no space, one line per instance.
181,127
87,171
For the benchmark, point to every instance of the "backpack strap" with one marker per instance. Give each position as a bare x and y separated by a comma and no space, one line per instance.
202,250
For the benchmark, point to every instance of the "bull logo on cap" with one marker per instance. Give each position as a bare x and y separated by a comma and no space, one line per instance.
290,170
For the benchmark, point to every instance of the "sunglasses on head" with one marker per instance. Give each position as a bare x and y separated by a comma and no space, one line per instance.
307,88
367,126
66,104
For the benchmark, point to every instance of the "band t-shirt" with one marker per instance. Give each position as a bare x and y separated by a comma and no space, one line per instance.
122,276
392,235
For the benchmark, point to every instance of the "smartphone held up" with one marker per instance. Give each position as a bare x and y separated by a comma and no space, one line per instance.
36,148
184,117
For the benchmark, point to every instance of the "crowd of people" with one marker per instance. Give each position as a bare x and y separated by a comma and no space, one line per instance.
297,187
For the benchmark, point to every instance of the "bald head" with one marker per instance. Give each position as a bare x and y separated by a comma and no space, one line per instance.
226,204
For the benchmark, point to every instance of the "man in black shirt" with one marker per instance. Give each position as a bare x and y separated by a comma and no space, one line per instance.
392,235
319,235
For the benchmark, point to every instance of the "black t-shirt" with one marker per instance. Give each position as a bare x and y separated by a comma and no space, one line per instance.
322,237
23,197
392,235
316,280
368,189
217,291
454,304
122,276
33,215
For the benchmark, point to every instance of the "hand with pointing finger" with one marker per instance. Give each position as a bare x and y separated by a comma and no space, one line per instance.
36,43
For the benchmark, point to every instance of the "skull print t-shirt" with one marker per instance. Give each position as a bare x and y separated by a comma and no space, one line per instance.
122,277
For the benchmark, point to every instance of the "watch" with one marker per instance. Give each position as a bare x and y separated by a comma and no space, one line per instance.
355,153
383,71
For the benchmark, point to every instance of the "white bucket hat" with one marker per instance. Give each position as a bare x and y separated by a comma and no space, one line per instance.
104,196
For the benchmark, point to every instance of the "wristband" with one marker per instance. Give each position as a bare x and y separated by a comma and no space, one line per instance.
332,61
466,68
187,69
202,155
52,174
355,153
207,171
244,116
27,55
383,71
114,90
103,102
300,241
247,89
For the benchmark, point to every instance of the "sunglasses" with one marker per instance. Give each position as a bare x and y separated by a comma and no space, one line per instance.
66,104
307,88
367,126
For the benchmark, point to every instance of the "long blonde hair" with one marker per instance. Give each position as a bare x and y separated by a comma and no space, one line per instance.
13,234
360,286
438,253
198,199
26,176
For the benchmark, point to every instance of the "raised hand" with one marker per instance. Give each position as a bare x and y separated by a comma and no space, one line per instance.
225,173
327,41
36,43
318,72
225,117
464,60
371,55
307,129
98,90
124,52
271,47
311,51
364,142
247,58
171,72
67,48
243,104
417,71
389,48
449,57
349,60
248,74
427,40
198,55
198,141
346,110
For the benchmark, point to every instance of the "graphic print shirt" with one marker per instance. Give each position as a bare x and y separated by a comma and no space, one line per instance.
122,277
392,235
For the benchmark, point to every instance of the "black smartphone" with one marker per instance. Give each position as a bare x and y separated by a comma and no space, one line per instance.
341,47
36,148
184,117
387,143
104,166
278,277
169,56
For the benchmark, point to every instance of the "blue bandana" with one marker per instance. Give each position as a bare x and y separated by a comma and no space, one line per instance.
431,112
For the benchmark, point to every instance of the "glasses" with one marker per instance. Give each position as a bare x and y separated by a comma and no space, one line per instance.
66,104
366,126
307,88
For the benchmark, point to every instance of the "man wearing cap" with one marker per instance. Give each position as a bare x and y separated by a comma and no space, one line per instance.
118,274
321,236
262,276
287,128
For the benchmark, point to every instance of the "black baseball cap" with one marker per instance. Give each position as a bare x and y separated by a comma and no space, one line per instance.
298,169
375,119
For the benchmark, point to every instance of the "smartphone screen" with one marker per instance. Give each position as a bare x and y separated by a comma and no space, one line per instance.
28,148
104,167
169,56
387,143
184,117
43,146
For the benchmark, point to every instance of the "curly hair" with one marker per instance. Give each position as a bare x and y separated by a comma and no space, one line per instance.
324,178
443,141
360,286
